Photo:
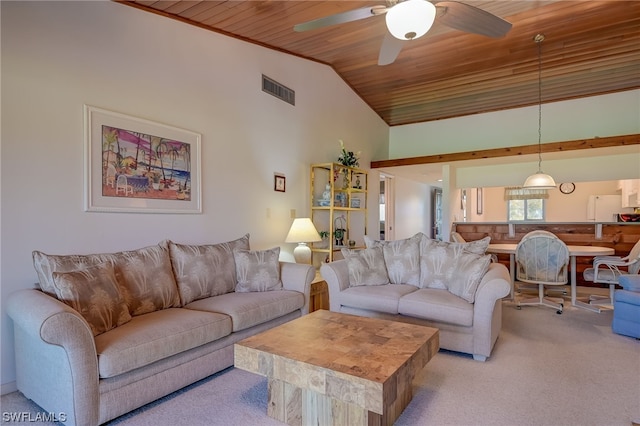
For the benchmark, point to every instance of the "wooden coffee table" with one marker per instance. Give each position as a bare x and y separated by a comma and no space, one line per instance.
328,368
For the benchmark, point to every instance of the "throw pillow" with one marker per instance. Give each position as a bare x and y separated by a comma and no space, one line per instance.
468,272
95,294
257,270
46,264
205,270
146,279
366,267
477,246
447,265
145,276
402,259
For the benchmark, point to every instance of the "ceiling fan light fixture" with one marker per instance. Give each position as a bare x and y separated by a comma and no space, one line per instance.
410,19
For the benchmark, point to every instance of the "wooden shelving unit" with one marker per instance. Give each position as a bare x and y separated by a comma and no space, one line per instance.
338,201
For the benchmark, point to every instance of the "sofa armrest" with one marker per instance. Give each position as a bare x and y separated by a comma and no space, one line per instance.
56,359
298,277
336,275
630,282
487,310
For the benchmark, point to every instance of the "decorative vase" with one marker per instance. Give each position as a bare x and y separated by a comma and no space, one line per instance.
345,179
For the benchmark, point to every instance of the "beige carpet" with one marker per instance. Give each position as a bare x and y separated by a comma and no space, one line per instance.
546,369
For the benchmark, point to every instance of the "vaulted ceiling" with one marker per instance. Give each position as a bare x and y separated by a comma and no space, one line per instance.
590,48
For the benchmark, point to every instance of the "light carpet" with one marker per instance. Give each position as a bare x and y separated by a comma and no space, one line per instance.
546,369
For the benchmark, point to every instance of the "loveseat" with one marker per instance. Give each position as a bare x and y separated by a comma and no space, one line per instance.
454,287
107,333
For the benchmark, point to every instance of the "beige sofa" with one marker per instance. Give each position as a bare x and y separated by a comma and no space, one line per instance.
107,333
451,286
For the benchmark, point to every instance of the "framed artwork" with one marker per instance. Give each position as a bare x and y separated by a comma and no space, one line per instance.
279,183
479,201
136,165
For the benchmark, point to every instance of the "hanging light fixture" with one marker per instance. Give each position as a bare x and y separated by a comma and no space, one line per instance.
539,180
410,19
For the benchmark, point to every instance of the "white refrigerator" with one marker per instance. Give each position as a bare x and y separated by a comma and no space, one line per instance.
604,208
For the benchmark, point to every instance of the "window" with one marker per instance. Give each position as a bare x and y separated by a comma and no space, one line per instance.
526,210
525,204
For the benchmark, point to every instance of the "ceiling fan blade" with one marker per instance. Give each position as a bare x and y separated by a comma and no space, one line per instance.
339,18
390,49
470,19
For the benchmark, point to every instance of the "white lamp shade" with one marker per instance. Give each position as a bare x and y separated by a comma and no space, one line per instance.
539,181
410,19
302,231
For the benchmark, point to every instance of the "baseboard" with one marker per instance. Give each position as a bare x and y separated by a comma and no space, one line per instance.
6,388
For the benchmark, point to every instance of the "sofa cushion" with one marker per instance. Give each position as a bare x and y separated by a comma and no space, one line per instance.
46,264
95,294
205,270
402,258
157,335
257,270
478,246
448,265
144,275
249,309
470,268
366,267
381,298
146,279
437,305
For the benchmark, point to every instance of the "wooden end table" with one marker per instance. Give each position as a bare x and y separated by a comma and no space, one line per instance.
319,296
328,368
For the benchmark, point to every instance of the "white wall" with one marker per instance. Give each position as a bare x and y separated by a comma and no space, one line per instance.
57,56
559,207
599,116
412,208
585,118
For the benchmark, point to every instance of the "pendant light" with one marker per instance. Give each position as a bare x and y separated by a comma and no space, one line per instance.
539,180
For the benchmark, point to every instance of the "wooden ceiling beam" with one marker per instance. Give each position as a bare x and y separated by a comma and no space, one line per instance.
606,142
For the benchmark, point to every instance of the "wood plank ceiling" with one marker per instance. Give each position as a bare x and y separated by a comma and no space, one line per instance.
591,48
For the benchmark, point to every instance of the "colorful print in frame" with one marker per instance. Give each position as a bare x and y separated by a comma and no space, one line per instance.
136,165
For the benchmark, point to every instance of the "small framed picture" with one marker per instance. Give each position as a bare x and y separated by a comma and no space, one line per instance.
279,183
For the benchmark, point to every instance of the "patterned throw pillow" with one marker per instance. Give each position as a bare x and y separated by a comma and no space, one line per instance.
366,267
144,275
146,279
402,258
205,270
450,266
46,264
257,270
95,294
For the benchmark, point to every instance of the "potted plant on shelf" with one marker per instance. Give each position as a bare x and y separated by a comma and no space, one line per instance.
349,159
325,239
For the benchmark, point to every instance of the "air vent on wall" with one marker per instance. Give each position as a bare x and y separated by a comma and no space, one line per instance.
278,90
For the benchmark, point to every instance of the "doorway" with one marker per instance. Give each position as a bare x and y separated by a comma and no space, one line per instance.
436,203
387,212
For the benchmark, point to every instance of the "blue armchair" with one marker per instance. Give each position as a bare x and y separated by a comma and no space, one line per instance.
626,307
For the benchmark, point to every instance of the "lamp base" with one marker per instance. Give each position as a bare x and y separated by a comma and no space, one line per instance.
302,253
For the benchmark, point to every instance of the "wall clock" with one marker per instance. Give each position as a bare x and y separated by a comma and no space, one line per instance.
567,187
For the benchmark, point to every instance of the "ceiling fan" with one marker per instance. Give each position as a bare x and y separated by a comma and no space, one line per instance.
410,19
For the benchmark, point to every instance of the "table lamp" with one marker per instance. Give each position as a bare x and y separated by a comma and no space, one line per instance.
302,232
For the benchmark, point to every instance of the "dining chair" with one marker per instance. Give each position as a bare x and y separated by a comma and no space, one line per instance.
606,270
542,259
